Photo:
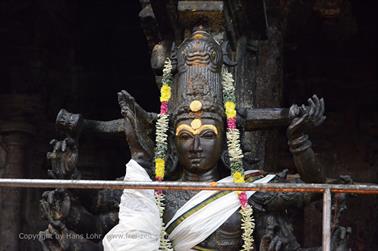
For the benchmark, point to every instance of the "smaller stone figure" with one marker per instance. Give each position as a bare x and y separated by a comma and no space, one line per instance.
78,219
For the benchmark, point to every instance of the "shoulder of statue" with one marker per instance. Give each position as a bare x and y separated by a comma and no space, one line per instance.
260,199
281,176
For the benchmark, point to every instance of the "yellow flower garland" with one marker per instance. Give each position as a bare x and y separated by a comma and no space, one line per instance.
230,109
161,148
159,167
165,93
238,177
236,155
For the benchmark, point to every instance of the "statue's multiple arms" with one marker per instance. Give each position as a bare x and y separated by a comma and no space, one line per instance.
66,210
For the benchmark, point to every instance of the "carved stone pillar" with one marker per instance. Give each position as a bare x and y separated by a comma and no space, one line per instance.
16,131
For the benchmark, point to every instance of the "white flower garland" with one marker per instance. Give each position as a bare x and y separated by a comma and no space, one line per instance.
233,143
248,226
161,148
236,155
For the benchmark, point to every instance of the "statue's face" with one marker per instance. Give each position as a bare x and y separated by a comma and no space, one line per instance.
199,145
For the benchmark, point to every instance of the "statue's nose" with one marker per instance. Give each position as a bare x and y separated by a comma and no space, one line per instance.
196,145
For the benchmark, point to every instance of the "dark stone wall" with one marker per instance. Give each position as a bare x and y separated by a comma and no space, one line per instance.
74,55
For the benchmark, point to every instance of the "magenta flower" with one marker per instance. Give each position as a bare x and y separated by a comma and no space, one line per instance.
243,199
231,123
164,108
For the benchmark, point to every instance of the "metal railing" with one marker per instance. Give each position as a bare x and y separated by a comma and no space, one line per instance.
326,189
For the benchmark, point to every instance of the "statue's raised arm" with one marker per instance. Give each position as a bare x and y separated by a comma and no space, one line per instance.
139,129
300,120
304,118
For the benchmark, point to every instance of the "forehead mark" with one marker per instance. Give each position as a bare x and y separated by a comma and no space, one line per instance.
196,131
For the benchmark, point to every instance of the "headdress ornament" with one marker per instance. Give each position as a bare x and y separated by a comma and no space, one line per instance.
198,92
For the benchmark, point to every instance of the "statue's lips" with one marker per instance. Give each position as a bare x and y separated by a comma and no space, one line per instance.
196,160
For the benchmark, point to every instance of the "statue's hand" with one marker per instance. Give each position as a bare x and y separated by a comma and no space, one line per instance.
55,206
304,118
139,127
63,159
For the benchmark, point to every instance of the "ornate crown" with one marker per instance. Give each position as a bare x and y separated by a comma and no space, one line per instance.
197,91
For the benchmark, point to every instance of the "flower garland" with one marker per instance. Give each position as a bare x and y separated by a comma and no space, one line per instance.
161,148
236,158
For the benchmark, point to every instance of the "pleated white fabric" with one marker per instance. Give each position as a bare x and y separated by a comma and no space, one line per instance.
139,220
201,224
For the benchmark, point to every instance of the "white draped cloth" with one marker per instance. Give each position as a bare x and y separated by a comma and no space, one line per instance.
201,224
139,217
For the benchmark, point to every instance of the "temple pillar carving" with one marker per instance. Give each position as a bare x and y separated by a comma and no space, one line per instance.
16,133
